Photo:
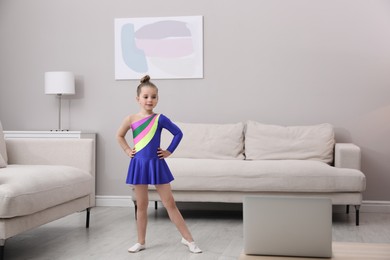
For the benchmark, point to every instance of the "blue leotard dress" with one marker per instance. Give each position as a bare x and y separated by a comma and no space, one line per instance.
146,167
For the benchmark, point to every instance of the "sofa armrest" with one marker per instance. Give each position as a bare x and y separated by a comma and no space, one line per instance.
79,153
347,155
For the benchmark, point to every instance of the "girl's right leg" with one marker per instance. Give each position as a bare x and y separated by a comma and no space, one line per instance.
141,192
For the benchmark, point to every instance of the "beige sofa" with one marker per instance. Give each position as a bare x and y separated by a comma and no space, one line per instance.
42,180
225,162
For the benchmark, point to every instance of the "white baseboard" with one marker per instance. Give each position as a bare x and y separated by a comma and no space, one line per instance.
368,206
373,206
114,201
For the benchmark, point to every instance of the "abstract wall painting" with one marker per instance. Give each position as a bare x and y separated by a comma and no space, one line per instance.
163,47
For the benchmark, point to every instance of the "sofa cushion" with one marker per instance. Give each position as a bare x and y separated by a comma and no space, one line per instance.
3,151
26,189
263,175
213,141
273,142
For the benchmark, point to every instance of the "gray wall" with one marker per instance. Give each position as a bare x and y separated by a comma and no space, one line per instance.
280,62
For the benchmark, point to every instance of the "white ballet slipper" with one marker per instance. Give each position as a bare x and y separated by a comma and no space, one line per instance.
136,248
191,246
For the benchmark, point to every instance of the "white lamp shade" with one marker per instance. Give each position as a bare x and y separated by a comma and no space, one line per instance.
59,82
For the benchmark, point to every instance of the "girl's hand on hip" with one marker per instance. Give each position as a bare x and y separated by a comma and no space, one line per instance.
163,153
131,153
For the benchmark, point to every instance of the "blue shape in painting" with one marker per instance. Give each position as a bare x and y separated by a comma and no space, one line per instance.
133,57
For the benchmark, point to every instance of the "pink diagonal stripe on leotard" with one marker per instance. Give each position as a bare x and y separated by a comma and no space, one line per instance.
145,131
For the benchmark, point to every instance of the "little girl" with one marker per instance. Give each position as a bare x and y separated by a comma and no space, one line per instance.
147,165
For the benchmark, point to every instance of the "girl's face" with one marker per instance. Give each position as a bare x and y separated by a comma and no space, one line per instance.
148,99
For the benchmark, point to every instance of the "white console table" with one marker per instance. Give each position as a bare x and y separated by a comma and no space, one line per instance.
48,134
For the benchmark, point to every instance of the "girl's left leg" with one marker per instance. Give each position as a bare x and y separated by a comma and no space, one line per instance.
165,192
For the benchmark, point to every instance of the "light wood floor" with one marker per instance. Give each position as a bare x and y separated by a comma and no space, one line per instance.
217,232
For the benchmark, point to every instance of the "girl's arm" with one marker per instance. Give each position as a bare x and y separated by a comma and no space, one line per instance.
175,131
120,136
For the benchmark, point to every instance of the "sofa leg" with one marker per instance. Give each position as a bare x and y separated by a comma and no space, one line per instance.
357,209
347,208
88,216
2,244
155,205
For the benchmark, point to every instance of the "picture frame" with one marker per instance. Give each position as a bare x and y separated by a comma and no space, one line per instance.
162,47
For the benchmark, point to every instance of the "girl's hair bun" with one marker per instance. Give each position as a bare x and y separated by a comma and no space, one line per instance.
145,82
145,79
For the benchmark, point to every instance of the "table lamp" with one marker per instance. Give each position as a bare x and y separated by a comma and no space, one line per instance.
59,83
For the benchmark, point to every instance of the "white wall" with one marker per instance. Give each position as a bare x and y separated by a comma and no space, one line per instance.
286,62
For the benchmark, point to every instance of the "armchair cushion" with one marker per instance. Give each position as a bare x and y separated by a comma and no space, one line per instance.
26,189
2,162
